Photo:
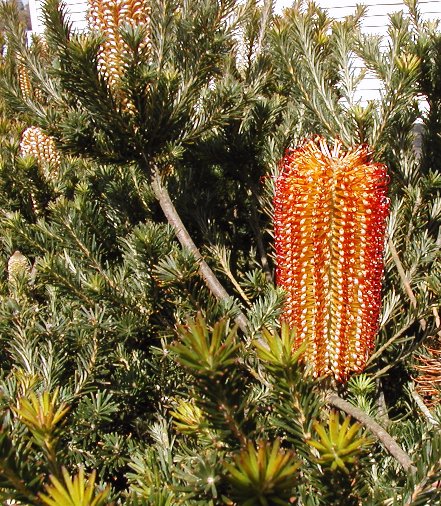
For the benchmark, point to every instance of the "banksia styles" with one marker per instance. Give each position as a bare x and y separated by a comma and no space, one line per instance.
34,142
330,211
108,17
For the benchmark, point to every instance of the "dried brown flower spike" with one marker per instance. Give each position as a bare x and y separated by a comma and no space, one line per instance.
428,369
330,218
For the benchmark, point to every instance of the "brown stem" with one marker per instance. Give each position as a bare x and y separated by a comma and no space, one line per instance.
383,415
186,241
388,442
223,258
230,420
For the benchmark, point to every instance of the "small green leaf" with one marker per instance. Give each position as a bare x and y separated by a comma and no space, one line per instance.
262,475
74,492
338,445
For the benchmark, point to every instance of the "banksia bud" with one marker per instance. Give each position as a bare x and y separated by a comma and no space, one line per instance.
330,219
18,270
108,17
23,81
34,142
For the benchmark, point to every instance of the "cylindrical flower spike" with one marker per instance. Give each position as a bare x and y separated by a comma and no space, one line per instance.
18,266
24,81
34,142
330,211
108,17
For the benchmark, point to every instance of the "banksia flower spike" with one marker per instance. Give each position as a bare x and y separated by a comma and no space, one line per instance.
108,17
19,270
34,142
23,81
330,213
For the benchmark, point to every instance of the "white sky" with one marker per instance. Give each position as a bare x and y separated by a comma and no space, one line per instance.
281,4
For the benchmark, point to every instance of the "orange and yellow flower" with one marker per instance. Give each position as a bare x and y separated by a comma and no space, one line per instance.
330,211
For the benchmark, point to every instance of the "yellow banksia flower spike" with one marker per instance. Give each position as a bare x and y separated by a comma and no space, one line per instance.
330,211
34,142
19,274
18,267
23,81
108,17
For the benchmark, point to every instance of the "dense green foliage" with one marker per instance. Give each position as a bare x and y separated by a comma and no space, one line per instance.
116,357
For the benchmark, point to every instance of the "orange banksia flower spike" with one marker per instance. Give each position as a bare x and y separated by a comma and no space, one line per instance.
330,211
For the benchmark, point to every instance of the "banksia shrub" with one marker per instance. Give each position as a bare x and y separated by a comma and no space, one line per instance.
34,142
108,17
330,215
